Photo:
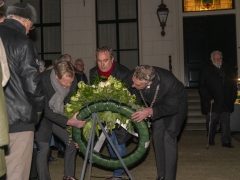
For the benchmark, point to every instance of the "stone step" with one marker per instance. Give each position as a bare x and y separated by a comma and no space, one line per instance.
194,94
194,127
194,112
194,99
194,105
196,119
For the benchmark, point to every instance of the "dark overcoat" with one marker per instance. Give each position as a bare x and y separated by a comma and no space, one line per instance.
44,128
171,100
221,88
120,72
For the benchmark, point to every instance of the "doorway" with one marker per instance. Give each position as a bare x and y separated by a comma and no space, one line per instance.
202,35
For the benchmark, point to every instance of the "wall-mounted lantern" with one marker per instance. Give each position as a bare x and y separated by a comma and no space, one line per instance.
162,13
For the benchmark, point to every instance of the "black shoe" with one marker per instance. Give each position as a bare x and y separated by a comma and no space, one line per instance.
60,154
211,143
160,178
69,178
228,145
52,159
33,178
113,178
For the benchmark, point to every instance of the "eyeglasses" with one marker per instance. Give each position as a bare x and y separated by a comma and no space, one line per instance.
32,27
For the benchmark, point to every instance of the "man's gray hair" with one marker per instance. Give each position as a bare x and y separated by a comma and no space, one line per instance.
216,52
105,49
144,72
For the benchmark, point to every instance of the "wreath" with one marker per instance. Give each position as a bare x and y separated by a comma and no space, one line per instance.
112,102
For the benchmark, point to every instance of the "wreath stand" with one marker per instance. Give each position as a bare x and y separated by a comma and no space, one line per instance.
89,151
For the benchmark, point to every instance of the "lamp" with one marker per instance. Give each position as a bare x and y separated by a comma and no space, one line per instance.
162,13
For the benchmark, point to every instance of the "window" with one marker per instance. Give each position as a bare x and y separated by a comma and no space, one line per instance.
206,5
117,27
47,32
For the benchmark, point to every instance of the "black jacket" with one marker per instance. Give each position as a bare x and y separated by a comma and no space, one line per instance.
81,76
222,87
120,72
24,92
44,128
171,100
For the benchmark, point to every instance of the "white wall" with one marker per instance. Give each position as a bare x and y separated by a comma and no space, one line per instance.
78,31
155,48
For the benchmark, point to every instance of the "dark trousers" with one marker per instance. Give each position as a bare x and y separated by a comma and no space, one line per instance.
43,154
33,171
224,118
166,151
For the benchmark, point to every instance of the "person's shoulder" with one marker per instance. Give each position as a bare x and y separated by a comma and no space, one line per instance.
162,70
46,73
93,69
120,66
227,67
159,69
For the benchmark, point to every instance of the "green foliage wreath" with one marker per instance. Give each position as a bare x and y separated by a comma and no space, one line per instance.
112,89
112,101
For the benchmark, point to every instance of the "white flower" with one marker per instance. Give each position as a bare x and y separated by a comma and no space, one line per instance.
81,84
101,84
73,98
107,83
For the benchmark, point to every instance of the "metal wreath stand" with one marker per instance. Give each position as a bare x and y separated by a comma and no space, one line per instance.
128,160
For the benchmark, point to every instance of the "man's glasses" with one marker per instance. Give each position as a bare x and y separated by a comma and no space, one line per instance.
32,27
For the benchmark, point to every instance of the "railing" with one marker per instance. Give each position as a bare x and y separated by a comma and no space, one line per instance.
170,63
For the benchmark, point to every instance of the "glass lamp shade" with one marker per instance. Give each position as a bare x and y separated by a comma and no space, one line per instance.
162,13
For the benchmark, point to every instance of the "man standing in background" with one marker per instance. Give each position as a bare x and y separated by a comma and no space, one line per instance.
218,90
80,75
23,92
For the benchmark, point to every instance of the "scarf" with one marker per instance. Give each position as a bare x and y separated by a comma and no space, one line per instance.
108,73
56,103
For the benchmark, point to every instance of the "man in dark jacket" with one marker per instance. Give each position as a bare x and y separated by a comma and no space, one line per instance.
166,104
218,91
106,66
23,92
58,83
80,75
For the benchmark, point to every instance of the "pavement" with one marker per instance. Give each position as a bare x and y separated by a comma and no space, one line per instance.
195,161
